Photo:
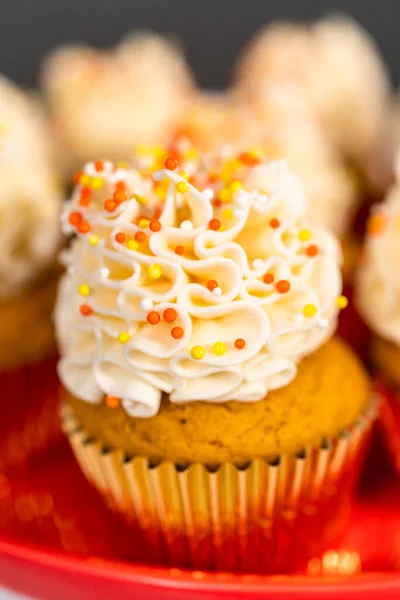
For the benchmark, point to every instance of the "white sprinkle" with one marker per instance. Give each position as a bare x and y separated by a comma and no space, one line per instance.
240,198
258,264
104,272
159,175
323,323
146,304
217,291
186,225
208,193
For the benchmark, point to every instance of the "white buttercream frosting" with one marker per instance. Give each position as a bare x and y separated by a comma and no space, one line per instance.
378,284
251,283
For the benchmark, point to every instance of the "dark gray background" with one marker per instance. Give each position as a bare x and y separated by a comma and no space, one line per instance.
212,30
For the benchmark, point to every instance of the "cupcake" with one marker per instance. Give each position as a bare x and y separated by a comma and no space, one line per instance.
30,201
378,285
336,66
202,393
105,102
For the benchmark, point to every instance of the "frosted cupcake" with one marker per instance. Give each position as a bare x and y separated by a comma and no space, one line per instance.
335,65
104,103
202,399
29,206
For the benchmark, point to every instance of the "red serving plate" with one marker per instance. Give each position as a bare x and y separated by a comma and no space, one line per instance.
58,541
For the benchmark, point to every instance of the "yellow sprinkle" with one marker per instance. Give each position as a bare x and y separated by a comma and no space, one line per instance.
181,187
235,186
140,199
197,352
227,214
122,165
309,310
304,235
144,223
191,153
154,271
133,245
97,183
219,348
84,179
124,337
341,302
93,240
184,174
224,195
84,289
222,228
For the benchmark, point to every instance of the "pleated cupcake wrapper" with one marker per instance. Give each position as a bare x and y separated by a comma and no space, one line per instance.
264,515
389,420
29,412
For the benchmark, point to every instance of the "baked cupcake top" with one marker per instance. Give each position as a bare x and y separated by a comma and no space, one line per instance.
105,102
378,284
30,195
334,64
208,283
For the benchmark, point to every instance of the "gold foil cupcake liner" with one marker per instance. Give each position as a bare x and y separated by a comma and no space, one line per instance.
263,515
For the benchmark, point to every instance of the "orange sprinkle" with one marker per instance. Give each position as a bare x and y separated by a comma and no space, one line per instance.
155,225
85,310
217,203
83,227
179,250
283,286
268,278
240,343
312,250
212,177
120,185
153,318
177,333
212,284
274,223
84,198
110,205
375,225
120,237
76,178
157,213
98,165
120,195
171,163
170,315
112,401
140,236
75,218
249,159
214,224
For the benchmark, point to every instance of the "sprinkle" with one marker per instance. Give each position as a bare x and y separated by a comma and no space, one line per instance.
214,224
375,225
186,225
304,235
235,186
224,195
240,343
212,284
171,163
155,226
158,175
98,165
146,304
84,289
154,271
104,272
249,158
124,337
227,214
181,187
133,245
120,237
341,302
77,177
283,286
153,318
197,352
219,348
139,199
85,195
93,240
170,315
157,213
85,310
83,227
184,174
268,278
120,195
84,179
75,218
97,183
208,193
217,291
312,250
110,205
120,185
258,263
241,198
112,401
177,333
274,223
179,250
143,223
309,310
140,236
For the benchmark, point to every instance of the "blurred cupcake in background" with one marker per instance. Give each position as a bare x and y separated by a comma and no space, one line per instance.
337,68
202,398
104,102
30,201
